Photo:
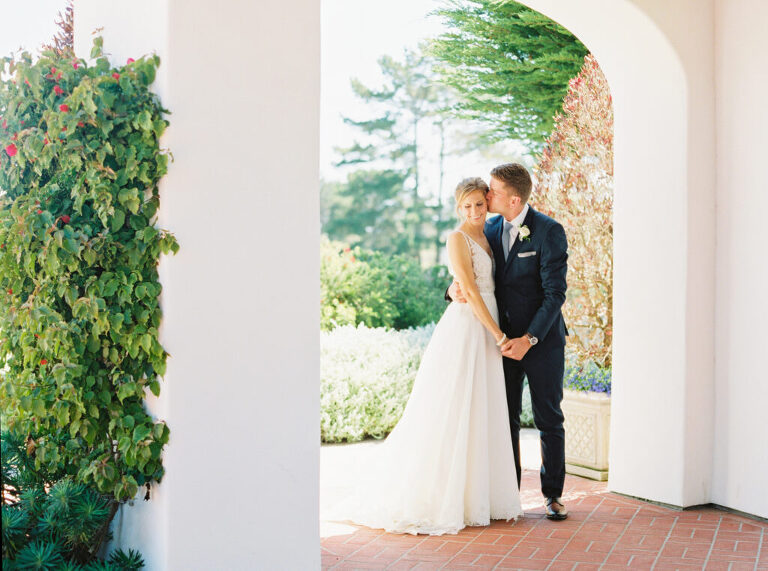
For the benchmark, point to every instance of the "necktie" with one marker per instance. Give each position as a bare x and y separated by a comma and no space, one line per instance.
508,237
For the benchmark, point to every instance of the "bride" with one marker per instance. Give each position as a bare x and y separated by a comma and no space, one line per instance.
449,461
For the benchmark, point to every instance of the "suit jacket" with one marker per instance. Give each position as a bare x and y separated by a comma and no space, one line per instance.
530,284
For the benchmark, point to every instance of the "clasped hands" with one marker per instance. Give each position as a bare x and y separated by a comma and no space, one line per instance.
515,348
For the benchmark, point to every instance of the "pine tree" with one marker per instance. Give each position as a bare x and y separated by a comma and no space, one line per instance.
409,95
510,66
370,209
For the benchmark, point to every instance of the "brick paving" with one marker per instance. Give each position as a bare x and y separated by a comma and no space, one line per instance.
603,531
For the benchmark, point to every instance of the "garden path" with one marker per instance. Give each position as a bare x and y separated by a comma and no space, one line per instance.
604,531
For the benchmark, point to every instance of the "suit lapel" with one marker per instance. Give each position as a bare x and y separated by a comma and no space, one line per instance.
518,243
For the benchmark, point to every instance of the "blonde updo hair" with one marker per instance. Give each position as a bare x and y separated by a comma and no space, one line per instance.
467,187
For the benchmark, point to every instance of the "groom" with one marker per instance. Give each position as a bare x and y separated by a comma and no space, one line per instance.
531,262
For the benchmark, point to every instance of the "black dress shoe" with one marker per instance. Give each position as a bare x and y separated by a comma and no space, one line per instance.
556,510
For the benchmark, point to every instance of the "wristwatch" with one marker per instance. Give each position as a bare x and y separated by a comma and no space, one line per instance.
531,339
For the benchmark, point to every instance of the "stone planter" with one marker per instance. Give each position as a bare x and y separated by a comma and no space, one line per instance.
587,419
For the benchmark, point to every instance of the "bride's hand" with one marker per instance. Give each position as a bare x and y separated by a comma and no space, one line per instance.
455,293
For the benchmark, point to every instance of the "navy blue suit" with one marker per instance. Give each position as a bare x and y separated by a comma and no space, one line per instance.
530,291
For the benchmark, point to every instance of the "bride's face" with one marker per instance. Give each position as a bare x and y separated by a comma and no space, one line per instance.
474,208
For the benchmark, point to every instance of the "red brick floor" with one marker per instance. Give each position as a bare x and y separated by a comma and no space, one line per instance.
603,531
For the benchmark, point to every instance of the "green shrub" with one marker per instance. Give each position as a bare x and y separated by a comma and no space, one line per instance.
51,522
378,290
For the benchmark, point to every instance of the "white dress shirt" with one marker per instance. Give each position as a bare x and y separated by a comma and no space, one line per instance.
512,228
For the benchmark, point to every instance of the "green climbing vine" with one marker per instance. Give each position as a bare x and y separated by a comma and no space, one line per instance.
80,162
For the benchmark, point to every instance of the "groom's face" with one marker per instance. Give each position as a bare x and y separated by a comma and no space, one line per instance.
501,200
497,196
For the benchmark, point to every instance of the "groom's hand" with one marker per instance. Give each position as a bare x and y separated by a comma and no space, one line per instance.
454,292
516,348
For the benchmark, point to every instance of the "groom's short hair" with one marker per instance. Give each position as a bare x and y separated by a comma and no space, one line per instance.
516,177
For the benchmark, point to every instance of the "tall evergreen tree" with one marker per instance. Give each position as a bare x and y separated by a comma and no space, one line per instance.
509,64
388,144
408,96
371,210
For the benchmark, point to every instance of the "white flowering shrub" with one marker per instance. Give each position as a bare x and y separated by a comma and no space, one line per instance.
366,378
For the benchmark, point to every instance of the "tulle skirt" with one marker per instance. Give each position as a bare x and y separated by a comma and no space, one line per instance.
449,461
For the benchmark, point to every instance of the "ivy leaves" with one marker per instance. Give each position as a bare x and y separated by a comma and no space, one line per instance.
129,197
79,248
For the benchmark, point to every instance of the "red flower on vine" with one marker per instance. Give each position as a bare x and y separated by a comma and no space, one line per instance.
58,90
130,60
64,107
75,64
39,211
80,124
65,219
116,75
43,361
11,150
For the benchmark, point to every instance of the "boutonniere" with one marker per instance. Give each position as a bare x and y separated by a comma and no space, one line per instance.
524,233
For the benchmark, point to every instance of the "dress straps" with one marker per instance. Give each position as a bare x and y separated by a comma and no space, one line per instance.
467,239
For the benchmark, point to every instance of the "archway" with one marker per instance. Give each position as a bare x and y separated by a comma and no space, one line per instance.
341,403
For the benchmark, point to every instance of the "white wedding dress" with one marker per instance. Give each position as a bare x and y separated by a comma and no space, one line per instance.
449,461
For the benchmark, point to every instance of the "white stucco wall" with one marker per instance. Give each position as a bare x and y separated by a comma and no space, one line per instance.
689,28
741,430
241,297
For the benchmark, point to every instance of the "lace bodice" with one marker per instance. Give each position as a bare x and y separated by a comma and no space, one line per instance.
482,264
